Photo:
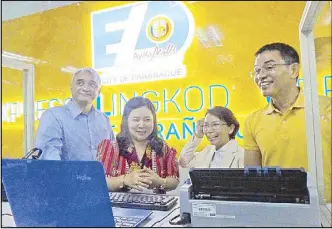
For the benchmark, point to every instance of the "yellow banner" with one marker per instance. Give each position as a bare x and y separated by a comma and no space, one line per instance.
184,56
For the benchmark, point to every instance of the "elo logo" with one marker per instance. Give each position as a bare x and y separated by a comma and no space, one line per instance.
143,41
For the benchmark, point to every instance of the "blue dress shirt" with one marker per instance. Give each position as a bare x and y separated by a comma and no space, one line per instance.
65,133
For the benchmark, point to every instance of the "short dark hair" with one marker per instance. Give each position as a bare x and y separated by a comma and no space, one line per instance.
226,115
124,139
287,52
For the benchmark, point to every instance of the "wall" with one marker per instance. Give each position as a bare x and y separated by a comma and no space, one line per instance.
216,67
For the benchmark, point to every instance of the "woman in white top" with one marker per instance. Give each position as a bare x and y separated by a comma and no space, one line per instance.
220,127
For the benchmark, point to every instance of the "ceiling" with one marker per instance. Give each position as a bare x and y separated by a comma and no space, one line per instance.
15,9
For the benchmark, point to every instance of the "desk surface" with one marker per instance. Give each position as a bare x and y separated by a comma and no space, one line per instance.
157,218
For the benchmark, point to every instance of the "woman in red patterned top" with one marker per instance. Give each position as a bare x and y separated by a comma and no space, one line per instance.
138,158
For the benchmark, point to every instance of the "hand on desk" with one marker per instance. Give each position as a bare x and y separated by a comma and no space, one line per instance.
155,179
138,180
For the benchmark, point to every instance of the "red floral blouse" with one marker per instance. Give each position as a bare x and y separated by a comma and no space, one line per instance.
165,165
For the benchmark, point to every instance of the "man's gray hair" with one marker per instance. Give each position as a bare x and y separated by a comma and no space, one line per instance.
89,70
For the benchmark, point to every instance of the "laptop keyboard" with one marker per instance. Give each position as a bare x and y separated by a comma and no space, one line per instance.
126,221
142,201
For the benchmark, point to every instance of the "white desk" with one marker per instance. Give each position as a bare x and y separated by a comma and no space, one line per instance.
8,220
159,215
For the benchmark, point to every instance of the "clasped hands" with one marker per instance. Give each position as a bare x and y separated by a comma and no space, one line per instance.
143,178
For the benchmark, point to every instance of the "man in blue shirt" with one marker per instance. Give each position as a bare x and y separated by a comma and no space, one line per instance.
74,130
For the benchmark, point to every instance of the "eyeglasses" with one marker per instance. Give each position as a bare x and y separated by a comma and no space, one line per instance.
268,68
214,126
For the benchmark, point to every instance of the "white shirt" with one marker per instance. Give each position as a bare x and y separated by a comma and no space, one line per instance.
220,153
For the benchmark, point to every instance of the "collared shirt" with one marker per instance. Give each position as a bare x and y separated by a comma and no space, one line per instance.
281,138
219,154
66,133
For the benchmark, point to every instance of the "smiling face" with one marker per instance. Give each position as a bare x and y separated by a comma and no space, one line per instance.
272,75
216,130
85,88
140,123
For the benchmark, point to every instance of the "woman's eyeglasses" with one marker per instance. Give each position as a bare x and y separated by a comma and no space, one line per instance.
214,126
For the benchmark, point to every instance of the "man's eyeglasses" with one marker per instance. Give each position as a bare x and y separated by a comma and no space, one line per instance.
268,68
214,126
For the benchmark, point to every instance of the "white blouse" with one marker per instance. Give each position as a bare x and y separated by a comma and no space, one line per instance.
220,153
